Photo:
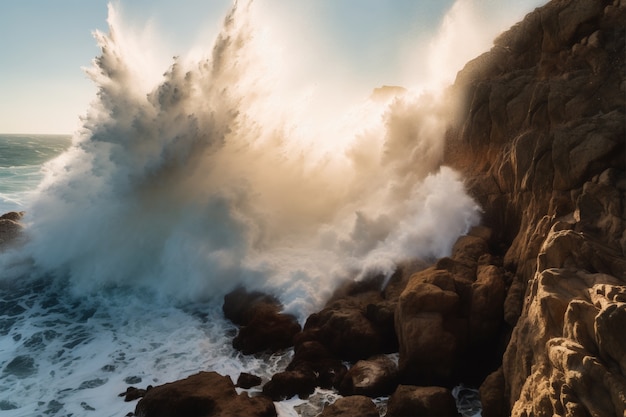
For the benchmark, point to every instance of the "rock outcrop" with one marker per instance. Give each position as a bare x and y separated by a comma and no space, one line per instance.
450,316
10,228
413,401
205,394
540,137
262,325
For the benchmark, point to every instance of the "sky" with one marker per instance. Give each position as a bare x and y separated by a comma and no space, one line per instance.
45,45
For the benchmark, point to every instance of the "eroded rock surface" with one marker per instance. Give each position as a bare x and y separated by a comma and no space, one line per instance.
541,139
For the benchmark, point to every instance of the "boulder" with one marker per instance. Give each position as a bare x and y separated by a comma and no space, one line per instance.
262,326
315,357
355,323
205,394
288,384
374,377
356,405
10,228
247,380
413,401
429,346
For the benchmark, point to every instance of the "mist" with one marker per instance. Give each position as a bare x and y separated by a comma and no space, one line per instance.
236,165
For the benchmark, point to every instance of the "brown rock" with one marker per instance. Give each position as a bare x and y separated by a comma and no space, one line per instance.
354,323
315,357
374,377
492,395
267,331
10,230
287,384
205,394
539,138
247,380
428,348
263,326
356,405
412,401
486,314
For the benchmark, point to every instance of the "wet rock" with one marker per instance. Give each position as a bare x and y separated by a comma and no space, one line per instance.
204,394
133,393
354,324
356,405
413,401
247,380
10,228
288,384
374,377
312,356
262,326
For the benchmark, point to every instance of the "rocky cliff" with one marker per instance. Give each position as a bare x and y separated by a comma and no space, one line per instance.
540,136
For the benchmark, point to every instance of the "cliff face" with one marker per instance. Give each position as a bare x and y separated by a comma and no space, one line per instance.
541,137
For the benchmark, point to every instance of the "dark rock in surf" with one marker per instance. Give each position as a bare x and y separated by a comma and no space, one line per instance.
262,325
355,324
10,228
133,393
15,216
373,377
314,357
247,380
355,405
205,394
288,384
413,401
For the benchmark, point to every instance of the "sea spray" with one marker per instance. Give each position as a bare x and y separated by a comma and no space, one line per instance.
205,180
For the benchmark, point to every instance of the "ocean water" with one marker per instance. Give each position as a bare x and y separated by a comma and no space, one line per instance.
181,186
21,160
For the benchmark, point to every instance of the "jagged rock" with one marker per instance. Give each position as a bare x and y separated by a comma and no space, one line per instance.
539,137
451,314
263,326
15,216
428,348
287,384
412,401
133,393
374,377
247,380
314,357
356,405
10,227
354,324
205,394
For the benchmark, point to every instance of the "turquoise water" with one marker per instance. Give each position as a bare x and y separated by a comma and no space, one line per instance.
21,161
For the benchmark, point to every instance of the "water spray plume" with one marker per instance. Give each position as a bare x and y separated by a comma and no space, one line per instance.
206,179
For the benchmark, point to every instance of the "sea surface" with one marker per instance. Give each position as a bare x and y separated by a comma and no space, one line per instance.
21,163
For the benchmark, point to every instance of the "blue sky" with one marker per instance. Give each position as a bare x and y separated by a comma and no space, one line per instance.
44,43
